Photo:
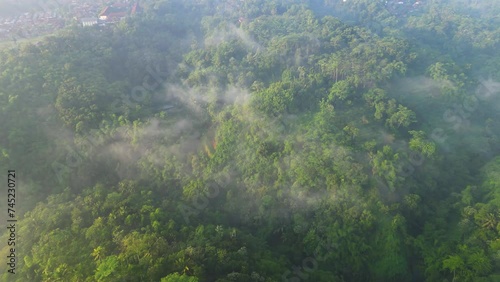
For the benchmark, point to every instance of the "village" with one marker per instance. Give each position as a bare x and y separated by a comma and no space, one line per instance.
49,19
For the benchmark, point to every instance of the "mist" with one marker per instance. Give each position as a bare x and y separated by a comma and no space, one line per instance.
250,140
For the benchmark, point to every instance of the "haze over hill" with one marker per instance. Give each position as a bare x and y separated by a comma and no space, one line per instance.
258,140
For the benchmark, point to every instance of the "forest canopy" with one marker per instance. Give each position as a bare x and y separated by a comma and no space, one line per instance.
220,140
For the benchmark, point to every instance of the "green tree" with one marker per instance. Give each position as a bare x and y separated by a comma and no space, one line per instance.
176,277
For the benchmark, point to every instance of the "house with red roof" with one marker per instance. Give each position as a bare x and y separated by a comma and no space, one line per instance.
117,11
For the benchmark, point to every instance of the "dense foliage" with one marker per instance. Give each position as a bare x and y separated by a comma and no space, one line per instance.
258,141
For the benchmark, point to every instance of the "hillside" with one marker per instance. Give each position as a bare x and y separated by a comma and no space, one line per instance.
222,140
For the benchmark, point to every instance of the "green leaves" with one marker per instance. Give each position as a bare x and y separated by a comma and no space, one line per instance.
340,91
454,263
403,117
304,167
107,269
419,144
385,165
477,264
275,100
480,263
176,277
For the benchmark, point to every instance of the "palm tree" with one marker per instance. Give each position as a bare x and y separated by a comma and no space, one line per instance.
489,221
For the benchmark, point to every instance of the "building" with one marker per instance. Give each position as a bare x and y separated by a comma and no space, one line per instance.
135,8
89,21
115,12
